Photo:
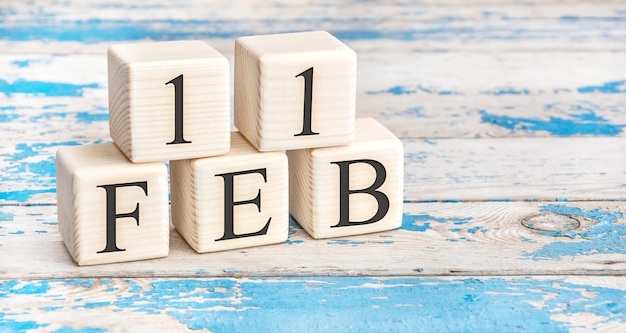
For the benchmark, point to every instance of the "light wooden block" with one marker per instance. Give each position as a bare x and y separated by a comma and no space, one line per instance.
281,103
373,168
250,186
109,209
168,100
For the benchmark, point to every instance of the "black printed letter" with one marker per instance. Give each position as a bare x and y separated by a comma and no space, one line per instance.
345,191
229,204
112,215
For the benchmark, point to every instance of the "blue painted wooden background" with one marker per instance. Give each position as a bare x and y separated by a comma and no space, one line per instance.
439,76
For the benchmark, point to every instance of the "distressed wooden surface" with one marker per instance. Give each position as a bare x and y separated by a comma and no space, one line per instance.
512,118
475,238
317,304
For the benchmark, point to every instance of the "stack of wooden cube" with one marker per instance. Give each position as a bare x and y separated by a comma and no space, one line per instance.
299,151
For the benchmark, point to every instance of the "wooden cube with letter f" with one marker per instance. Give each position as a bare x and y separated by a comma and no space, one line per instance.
351,189
109,209
231,201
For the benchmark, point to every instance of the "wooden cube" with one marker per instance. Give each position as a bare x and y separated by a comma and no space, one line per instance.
231,201
109,209
169,100
351,189
294,90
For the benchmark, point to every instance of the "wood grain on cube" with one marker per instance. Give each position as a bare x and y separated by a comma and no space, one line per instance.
315,177
259,198
294,90
147,80
86,177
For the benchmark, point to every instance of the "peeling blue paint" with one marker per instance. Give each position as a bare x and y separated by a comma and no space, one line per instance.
134,286
6,118
421,222
51,308
414,111
14,287
92,305
507,91
356,243
86,117
4,216
67,329
294,228
606,236
528,240
10,325
23,195
86,283
54,106
21,63
614,87
410,90
352,304
96,30
43,88
474,230
586,124
20,164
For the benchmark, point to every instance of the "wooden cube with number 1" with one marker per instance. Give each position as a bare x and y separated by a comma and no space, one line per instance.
294,90
169,100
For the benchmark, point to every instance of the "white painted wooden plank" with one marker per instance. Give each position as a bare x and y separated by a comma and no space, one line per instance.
421,94
435,170
431,9
568,169
493,94
316,304
481,25
435,239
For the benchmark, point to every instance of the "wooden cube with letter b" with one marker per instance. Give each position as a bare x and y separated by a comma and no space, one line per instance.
109,209
351,189
231,201
169,100
294,90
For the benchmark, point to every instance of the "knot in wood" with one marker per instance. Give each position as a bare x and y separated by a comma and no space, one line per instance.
550,222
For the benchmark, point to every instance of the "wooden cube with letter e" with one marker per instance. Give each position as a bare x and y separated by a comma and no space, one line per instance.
168,100
236,200
294,90
109,209
350,189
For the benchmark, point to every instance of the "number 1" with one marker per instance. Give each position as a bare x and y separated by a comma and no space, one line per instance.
308,98
178,110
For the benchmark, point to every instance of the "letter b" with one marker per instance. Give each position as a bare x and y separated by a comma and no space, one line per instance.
345,192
